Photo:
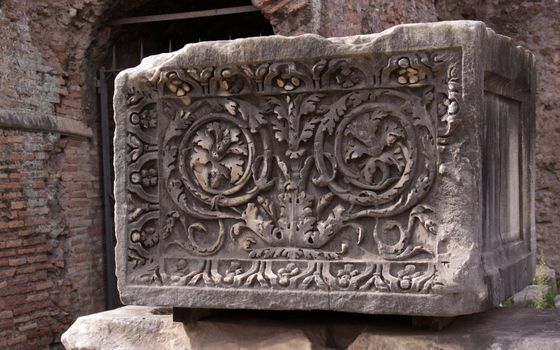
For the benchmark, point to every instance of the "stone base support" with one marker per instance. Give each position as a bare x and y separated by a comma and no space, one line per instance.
139,327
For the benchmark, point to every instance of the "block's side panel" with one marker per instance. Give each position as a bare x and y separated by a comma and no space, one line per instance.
502,156
508,167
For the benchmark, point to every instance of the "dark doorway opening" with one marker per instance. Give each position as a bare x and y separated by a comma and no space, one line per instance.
132,41
202,21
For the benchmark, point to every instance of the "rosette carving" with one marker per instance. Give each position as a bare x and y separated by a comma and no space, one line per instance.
377,149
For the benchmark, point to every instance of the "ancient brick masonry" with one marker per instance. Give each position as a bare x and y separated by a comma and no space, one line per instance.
46,191
51,267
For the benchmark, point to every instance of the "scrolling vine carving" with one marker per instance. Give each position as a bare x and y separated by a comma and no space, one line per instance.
304,175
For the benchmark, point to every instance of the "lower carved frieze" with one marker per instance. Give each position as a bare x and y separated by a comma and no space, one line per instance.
359,276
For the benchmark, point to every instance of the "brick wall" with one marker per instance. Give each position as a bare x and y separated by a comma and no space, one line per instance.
50,232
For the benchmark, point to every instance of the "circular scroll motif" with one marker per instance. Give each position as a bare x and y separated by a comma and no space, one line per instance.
380,158
374,153
215,157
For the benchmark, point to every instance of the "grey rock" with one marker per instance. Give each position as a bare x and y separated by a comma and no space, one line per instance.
385,173
557,301
133,327
529,294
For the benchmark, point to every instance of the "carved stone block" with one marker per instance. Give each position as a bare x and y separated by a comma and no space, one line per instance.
386,173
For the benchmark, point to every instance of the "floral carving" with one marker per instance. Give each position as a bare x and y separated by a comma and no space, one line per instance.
287,82
231,82
177,86
138,147
218,156
294,121
286,273
146,118
345,274
148,237
146,177
233,270
347,76
294,220
374,147
291,175
408,74
406,275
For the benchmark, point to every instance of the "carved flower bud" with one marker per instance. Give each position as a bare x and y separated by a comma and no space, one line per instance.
287,82
283,281
453,107
134,118
135,237
229,278
295,81
403,62
344,281
227,73
172,87
135,178
405,283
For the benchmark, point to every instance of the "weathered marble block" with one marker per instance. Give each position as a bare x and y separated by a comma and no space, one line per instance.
386,173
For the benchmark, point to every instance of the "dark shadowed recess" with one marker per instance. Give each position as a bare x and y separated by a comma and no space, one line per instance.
143,39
